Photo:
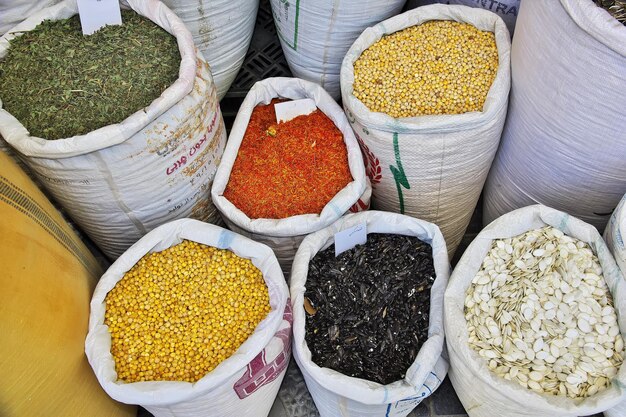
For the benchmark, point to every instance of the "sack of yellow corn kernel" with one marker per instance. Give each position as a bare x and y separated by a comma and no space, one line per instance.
222,31
506,9
120,181
339,395
315,34
284,235
421,162
180,271
47,278
534,377
563,144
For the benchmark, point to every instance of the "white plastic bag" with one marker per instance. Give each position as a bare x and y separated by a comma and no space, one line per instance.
506,9
339,395
615,233
122,180
222,30
614,236
13,12
246,383
430,167
316,34
485,394
563,144
284,235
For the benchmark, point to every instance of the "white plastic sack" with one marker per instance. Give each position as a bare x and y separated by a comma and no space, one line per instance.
485,394
6,148
430,167
121,181
614,237
13,12
563,144
222,30
247,382
338,395
316,34
284,235
506,9
615,232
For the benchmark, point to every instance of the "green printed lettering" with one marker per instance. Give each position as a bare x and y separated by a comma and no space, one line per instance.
398,173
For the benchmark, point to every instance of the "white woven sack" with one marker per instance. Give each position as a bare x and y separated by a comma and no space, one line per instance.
122,180
222,30
338,395
284,235
563,144
13,12
430,167
614,235
485,394
506,9
246,383
316,34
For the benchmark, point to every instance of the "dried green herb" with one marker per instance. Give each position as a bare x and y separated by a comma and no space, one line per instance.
367,310
59,83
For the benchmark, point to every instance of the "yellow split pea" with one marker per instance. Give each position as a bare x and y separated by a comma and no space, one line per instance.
438,67
178,313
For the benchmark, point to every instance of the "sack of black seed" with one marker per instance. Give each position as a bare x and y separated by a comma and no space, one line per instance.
368,323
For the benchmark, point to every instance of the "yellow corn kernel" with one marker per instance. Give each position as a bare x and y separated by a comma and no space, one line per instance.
438,67
178,313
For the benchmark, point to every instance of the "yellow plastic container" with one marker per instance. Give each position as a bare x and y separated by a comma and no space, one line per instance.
47,276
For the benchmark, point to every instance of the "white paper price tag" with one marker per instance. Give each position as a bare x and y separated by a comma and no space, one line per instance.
349,238
290,109
95,14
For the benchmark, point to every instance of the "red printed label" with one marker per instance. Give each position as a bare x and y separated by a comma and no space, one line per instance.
259,372
192,151
372,164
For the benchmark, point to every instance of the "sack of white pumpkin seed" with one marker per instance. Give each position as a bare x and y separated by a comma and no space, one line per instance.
284,235
337,394
506,9
316,34
120,181
244,383
563,144
222,31
533,371
430,166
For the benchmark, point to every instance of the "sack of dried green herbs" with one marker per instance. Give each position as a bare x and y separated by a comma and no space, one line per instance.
563,144
534,319
123,127
368,324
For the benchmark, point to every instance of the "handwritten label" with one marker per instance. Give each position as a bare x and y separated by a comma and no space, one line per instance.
290,109
95,14
349,238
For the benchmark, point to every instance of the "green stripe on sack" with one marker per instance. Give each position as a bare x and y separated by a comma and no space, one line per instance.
295,31
398,173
